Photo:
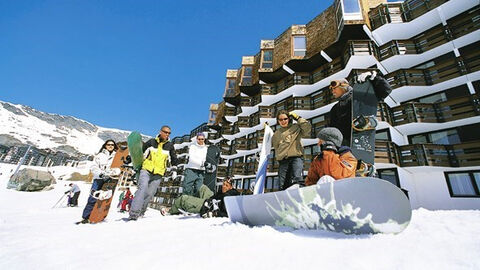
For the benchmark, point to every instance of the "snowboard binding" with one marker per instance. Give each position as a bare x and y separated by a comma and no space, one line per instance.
363,123
102,194
365,169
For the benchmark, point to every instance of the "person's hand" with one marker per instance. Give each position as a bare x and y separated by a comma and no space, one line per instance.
370,75
294,115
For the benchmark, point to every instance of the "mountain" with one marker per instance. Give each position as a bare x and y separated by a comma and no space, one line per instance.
22,124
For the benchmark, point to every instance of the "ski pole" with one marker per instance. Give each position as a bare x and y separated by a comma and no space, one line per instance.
61,198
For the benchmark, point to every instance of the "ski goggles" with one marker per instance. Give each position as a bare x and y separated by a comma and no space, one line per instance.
338,83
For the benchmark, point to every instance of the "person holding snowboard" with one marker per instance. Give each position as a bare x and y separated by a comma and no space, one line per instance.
334,162
102,173
341,113
207,204
288,147
195,168
157,153
75,190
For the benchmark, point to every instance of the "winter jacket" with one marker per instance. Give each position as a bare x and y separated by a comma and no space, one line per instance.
101,163
197,154
286,141
222,210
74,188
156,155
341,113
341,117
337,165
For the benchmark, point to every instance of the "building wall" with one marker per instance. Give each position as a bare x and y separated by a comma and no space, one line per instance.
282,49
321,32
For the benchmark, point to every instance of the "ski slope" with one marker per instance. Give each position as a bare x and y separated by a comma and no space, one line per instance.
35,236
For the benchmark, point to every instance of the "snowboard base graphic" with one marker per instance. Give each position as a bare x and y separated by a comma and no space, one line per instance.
361,205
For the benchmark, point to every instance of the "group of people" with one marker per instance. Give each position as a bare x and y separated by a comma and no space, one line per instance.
335,160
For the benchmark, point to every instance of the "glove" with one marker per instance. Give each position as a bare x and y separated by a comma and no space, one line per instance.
366,75
294,115
328,146
113,172
66,192
104,176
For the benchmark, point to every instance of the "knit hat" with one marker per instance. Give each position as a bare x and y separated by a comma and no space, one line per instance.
200,134
331,134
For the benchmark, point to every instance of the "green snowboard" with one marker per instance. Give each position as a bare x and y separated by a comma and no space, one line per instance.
135,145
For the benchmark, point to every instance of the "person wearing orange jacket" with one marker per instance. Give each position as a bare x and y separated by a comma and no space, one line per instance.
334,162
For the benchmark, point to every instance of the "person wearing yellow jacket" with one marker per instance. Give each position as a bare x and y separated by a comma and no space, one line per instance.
288,147
157,153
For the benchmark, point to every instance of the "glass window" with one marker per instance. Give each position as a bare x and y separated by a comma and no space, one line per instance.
247,75
461,184
299,46
267,59
351,6
276,183
230,88
389,175
445,137
383,135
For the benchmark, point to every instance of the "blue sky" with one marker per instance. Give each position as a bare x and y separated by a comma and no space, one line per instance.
134,65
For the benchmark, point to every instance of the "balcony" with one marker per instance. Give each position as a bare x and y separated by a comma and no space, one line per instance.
267,89
266,111
239,168
302,103
241,144
186,138
243,121
221,171
401,12
213,135
247,101
232,111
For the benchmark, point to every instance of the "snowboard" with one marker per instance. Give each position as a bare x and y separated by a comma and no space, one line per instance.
101,207
361,205
135,144
213,156
120,156
364,111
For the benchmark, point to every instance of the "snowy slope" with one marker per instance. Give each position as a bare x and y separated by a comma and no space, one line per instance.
34,236
23,124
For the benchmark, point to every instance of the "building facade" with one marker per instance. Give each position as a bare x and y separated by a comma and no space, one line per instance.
427,140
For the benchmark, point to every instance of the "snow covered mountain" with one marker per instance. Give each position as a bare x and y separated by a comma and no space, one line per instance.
20,124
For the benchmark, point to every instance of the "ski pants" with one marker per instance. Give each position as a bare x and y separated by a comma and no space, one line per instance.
74,199
189,203
97,185
147,187
192,182
290,172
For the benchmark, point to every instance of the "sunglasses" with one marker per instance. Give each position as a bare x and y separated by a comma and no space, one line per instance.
203,139
282,119
166,132
110,144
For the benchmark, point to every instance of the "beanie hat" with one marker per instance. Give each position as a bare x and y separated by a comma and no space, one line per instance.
331,134
200,134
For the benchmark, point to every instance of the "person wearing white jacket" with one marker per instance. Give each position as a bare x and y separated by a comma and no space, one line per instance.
195,168
101,173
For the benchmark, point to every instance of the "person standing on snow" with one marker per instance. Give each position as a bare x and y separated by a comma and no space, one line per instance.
157,152
127,201
289,149
334,162
341,113
102,173
195,168
75,190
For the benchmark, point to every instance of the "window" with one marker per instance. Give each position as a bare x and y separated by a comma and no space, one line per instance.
246,75
390,175
383,135
351,6
230,88
463,184
267,59
299,46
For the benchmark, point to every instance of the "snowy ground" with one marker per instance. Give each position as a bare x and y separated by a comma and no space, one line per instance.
35,236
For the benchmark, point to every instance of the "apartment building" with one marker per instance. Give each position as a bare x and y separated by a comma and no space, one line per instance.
428,137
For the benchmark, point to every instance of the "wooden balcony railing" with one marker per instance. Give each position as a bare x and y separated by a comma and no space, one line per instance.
221,171
241,144
415,8
267,111
450,110
239,168
232,111
243,121
302,103
186,138
268,89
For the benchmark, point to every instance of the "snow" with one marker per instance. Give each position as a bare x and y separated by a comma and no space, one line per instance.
35,236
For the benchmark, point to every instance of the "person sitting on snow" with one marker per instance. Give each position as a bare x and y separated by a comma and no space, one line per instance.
75,190
334,162
208,205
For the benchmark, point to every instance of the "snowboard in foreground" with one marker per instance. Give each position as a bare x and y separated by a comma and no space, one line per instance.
135,144
361,205
364,111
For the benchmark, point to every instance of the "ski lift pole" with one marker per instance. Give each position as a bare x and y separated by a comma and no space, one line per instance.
12,179
61,199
